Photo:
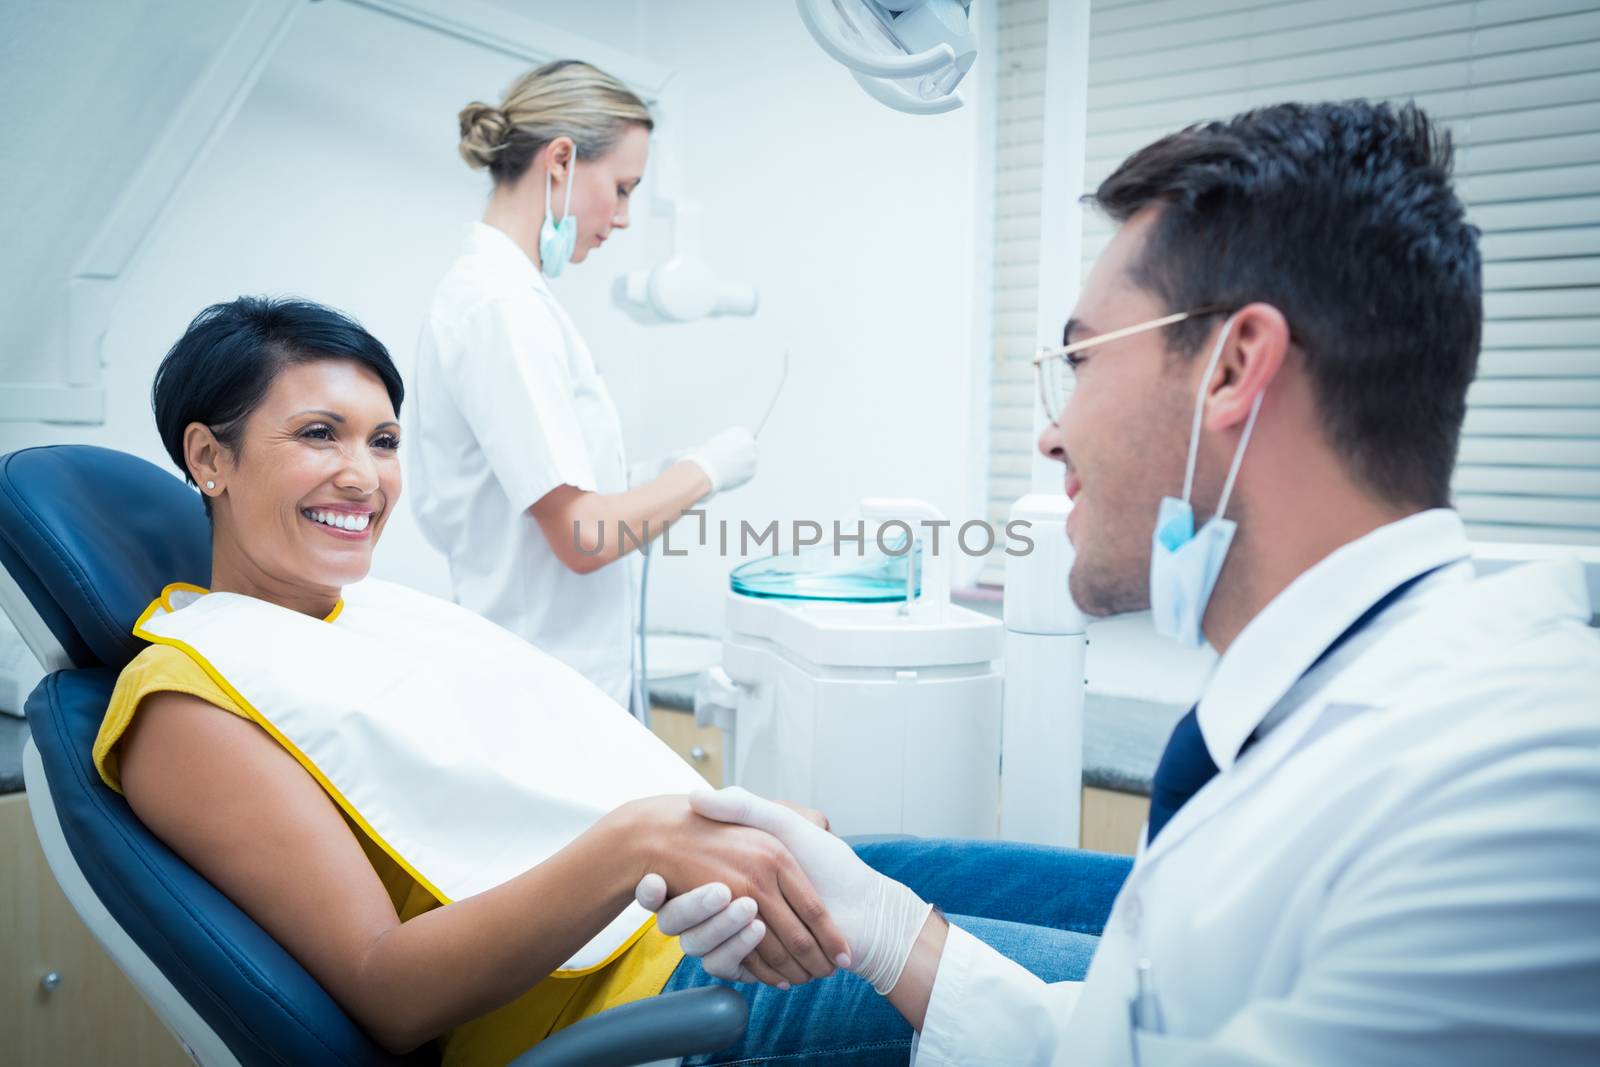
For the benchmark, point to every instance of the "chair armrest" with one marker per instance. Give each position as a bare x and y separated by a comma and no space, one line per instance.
684,1023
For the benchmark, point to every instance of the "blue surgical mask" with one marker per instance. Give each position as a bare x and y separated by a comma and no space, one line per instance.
558,239
1184,564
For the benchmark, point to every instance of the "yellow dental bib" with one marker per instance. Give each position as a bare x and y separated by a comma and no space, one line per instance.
468,755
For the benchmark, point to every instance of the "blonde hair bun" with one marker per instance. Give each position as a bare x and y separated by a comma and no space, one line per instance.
484,130
566,98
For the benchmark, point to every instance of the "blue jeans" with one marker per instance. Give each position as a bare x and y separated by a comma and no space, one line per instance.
1042,907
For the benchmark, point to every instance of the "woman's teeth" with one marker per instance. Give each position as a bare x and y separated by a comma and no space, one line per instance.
339,520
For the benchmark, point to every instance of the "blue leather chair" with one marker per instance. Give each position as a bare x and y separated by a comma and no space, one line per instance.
87,537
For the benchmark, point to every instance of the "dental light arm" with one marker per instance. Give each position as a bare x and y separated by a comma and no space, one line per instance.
876,66
682,288
887,92
907,54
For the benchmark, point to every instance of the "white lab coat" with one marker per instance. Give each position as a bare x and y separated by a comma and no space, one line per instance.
1403,869
507,405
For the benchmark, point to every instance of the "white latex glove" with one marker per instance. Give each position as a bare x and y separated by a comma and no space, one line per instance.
879,918
717,931
729,459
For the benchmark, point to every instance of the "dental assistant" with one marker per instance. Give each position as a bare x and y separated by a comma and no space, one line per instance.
518,466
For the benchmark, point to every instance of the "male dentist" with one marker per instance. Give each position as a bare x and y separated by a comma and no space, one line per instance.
1376,839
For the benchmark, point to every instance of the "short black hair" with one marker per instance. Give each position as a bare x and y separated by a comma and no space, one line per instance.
1342,216
223,365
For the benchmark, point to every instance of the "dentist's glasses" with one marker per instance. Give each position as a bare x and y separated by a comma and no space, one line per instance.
1055,363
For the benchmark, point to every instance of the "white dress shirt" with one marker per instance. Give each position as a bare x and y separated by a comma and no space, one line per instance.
1404,868
505,406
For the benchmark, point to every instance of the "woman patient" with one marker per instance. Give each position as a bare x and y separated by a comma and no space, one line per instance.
442,825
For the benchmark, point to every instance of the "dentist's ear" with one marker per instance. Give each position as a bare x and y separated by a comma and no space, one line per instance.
204,456
1257,345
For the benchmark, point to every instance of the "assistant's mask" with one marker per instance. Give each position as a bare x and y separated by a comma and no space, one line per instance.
558,239
1184,564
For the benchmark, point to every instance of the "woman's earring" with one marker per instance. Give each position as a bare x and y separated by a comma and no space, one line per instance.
211,485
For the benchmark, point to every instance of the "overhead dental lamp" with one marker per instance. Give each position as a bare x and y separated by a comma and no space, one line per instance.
908,54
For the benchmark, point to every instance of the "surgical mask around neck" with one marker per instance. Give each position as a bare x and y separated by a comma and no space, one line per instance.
1184,564
558,239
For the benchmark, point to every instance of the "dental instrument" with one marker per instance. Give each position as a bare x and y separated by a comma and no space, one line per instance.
783,380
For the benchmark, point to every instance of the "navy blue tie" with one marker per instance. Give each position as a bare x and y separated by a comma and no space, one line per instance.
1186,766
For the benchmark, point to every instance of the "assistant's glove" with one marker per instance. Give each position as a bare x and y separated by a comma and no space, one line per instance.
729,459
879,918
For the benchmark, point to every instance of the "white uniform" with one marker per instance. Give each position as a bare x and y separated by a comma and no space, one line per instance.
506,405
1403,869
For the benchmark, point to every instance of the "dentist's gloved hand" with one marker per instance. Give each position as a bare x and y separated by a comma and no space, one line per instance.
729,459
879,918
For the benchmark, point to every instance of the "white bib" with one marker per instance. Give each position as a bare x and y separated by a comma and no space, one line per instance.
466,753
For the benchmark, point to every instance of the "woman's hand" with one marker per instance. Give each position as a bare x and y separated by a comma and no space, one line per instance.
795,940
811,815
881,918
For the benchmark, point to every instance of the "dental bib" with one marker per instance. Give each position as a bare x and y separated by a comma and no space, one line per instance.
467,754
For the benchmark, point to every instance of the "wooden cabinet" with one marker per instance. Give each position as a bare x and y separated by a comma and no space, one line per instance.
700,746
1112,821
91,1013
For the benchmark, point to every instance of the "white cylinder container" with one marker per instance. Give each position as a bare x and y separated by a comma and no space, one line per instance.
1041,774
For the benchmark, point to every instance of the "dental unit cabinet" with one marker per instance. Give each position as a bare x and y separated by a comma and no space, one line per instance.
852,684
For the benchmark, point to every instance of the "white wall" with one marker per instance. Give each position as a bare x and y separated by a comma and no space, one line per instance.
86,86
858,225
338,180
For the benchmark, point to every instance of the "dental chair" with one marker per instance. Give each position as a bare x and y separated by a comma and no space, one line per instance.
87,537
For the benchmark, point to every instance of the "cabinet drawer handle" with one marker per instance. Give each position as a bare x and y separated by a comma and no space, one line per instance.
50,982
698,754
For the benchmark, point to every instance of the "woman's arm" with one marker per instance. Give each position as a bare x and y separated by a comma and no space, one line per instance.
585,529
240,810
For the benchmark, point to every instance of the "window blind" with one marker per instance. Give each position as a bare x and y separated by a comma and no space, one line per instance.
1019,136
1518,83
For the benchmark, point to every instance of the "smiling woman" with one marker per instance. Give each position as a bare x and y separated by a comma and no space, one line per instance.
286,414
424,892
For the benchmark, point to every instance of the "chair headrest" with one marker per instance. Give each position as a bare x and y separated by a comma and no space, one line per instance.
92,535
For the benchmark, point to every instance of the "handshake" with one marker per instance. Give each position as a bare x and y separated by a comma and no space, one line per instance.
859,919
